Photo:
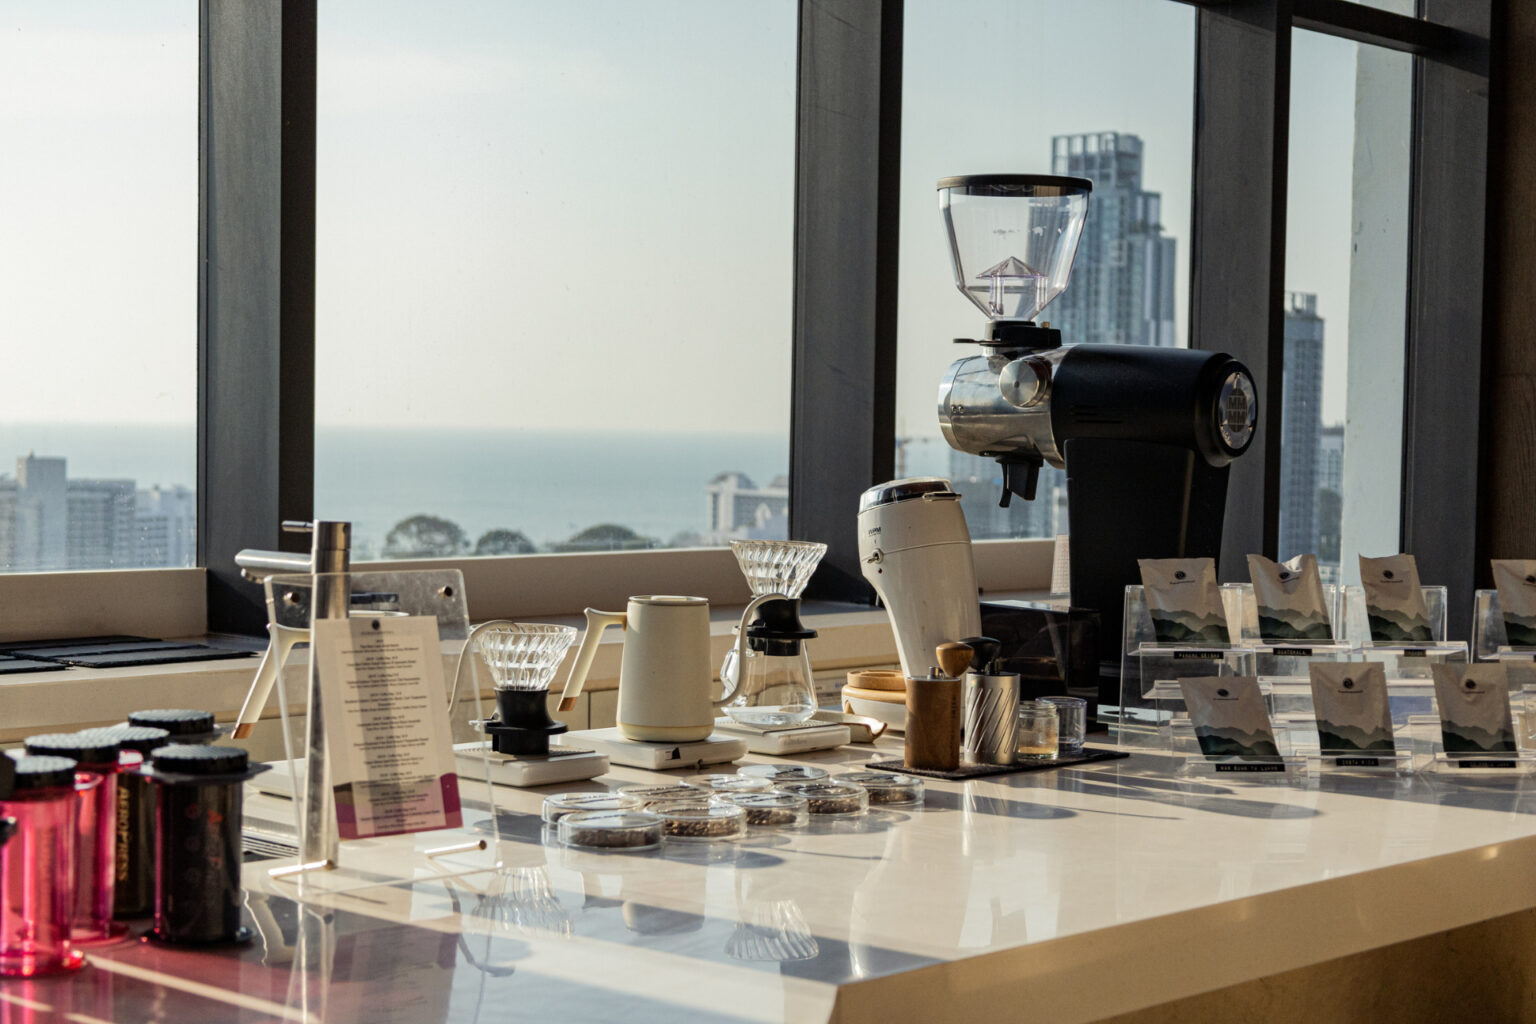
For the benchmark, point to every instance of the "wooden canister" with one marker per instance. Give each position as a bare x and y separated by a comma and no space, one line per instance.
933,723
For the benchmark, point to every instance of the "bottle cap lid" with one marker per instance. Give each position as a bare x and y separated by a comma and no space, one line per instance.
140,738
193,759
77,746
44,772
176,721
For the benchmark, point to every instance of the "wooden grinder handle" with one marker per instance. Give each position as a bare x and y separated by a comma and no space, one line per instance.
954,658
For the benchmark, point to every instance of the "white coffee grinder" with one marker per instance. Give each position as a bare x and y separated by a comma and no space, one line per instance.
915,550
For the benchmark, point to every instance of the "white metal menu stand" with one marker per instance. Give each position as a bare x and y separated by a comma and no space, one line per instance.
294,603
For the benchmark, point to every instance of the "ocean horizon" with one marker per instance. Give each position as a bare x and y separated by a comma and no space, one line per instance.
547,484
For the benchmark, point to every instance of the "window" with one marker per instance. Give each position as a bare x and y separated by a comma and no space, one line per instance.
98,285
1129,134
554,250
398,300
1346,273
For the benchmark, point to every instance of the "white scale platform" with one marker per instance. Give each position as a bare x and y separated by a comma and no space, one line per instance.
715,749
519,770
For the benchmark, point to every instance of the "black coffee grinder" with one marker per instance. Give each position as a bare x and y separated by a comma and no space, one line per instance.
1145,434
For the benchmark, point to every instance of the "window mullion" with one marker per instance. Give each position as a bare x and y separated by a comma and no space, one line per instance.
255,290
847,194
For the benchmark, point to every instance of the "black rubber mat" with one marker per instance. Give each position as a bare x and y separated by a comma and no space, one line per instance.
11,647
106,652
64,652
12,666
128,659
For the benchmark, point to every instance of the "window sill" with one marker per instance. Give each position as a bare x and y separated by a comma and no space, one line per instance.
173,602
851,636
169,603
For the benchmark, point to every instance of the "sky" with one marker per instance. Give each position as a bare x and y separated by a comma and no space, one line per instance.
98,211
535,214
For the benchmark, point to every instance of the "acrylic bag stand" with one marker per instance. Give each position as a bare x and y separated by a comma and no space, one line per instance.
1152,716
1490,642
1405,662
325,863
1284,671
1150,699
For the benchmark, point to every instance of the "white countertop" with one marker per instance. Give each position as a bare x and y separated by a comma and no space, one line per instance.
1086,892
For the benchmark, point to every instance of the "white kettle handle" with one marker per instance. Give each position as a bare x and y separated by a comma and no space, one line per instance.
597,623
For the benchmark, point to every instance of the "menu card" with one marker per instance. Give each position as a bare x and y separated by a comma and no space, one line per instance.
386,725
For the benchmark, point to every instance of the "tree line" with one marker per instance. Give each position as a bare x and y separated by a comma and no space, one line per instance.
424,536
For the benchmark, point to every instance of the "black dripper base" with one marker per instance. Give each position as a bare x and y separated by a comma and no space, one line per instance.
522,724
777,630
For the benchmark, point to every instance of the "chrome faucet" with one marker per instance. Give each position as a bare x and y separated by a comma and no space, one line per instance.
331,552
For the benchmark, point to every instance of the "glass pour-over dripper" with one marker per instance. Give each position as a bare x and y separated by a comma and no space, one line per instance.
776,689
523,657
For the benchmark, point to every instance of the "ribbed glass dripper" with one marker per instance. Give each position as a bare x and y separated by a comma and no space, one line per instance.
778,566
524,656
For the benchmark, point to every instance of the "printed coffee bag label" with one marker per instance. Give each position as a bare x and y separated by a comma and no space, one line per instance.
1292,605
1184,600
1474,708
1350,698
1229,717
1516,580
1394,604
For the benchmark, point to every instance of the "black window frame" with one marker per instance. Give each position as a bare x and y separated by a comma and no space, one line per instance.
257,269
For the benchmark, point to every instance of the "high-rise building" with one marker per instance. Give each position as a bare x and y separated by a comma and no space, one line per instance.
1330,498
740,509
1330,458
1121,291
41,515
1301,425
100,524
165,521
49,522
979,482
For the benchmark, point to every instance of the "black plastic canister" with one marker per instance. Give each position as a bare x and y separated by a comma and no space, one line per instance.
198,807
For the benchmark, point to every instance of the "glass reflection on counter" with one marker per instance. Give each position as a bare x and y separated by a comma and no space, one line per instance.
770,925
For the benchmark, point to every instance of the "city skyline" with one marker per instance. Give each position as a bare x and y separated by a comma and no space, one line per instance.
51,522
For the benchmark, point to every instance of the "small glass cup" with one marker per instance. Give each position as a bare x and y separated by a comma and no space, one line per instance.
1038,731
721,784
561,804
1072,715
